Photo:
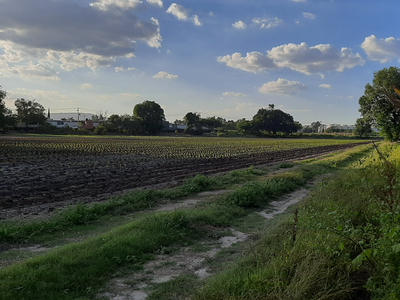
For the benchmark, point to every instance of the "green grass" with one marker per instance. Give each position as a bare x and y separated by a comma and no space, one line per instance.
84,214
346,244
79,270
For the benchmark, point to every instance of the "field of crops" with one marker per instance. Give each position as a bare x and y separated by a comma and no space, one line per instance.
39,170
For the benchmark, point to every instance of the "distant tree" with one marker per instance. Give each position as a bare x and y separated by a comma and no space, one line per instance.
363,128
298,125
100,117
7,119
244,126
193,123
229,125
151,116
315,126
212,122
307,129
380,105
30,112
114,123
273,120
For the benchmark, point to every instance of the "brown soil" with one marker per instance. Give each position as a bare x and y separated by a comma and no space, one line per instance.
50,183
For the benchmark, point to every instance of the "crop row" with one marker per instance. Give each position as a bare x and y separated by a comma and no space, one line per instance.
28,148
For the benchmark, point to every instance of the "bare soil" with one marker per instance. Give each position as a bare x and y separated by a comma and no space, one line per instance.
43,185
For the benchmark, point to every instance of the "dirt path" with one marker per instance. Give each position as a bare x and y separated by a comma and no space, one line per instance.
186,261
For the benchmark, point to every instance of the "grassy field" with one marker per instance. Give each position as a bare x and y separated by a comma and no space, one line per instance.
81,269
343,243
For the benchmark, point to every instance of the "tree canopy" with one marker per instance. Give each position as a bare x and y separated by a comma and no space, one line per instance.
30,112
150,115
376,106
274,120
363,128
6,116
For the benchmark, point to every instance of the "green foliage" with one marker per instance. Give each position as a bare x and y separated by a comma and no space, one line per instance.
375,106
30,112
100,130
151,116
274,120
7,119
193,123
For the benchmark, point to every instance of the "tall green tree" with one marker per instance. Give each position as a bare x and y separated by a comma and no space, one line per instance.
363,128
7,118
376,106
150,115
193,123
30,112
274,120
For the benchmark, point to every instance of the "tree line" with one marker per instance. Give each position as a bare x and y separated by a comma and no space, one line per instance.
379,107
148,118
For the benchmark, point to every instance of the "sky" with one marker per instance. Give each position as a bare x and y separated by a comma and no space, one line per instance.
225,58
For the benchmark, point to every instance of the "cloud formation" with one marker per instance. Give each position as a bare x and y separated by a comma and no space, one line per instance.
267,22
283,87
109,4
239,25
164,75
319,58
39,95
233,94
308,15
382,50
253,62
158,3
86,86
183,14
301,58
325,86
69,35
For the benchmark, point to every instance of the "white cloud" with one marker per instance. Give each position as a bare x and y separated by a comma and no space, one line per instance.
308,15
155,40
319,58
325,86
182,14
239,25
39,95
211,14
178,11
107,4
121,69
165,75
283,87
196,20
128,95
267,22
382,50
104,32
233,94
32,70
71,61
86,86
158,3
253,62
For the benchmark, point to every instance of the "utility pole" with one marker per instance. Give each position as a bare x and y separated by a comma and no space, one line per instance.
78,113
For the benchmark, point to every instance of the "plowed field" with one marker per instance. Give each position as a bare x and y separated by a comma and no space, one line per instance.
40,170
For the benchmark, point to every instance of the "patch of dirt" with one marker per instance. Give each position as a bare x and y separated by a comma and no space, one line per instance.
165,267
32,186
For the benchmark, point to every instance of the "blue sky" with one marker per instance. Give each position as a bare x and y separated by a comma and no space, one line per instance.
310,58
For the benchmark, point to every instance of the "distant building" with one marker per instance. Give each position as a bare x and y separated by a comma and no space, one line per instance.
87,124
